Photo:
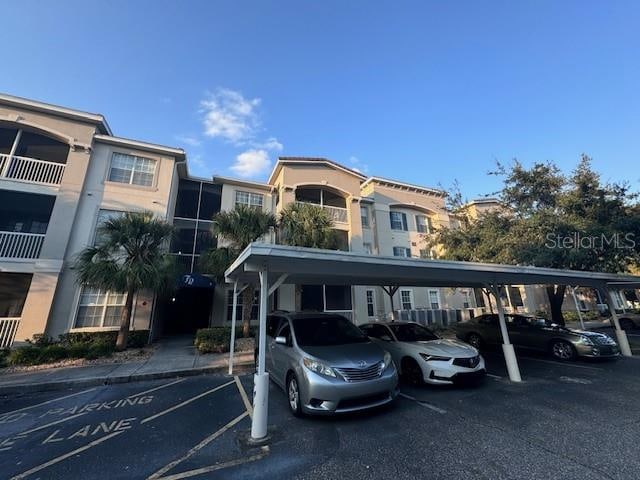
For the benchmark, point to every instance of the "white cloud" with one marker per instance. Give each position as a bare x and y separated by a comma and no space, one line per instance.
230,116
270,143
251,163
190,140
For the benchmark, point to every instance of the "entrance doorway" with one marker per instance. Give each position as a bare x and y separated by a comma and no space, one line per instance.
190,307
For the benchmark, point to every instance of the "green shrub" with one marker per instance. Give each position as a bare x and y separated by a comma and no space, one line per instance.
78,350
27,355
216,339
99,349
52,353
4,354
135,339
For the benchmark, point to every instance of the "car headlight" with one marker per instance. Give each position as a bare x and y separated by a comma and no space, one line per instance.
610,341
428,358
585,340
387,360
319,367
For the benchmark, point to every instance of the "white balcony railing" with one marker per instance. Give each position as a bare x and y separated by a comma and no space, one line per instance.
8,330
31,170
337,214
20,245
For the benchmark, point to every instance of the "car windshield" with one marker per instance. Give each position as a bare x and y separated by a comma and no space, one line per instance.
326,330
411,332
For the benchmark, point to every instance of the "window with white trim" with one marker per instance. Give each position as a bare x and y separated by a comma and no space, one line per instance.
371,309
426,253
406,299
423,224
99,308
398,221
132,169
254,307
364,215
401,252
249,199
465,299
434,299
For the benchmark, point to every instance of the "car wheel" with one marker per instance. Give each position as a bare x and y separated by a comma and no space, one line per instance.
626,324
474,340
293,395
562,350
411,372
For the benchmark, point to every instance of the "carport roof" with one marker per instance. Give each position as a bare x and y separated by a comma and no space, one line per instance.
316,266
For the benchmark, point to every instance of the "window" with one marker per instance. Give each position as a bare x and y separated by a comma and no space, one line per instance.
337,297
406,299
364,215
423,224
103,217
465,299
326,330
377,331
398,221
434,299
401,252
426,253
99,308
249,199
367,248
515,297
132,169
14,288
410,332
371,307
254,307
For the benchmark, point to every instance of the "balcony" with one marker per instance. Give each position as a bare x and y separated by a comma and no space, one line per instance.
337,214
30,157
31,170
24,218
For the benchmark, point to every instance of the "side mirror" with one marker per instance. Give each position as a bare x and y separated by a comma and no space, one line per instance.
385,338
281,340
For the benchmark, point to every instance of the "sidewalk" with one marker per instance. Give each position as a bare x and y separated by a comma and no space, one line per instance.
172,358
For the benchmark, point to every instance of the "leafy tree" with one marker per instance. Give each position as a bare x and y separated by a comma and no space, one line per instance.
237,229
306,225
131,256
544,212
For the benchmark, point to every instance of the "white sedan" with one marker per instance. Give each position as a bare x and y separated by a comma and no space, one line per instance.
421,356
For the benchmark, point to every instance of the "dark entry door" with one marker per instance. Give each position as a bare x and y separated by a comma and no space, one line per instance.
188,311
312,298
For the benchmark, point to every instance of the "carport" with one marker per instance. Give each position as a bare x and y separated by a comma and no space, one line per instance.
271,265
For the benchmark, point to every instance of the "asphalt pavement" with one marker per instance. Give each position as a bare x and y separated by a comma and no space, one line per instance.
565,421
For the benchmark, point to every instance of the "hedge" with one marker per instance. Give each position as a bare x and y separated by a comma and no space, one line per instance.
216,339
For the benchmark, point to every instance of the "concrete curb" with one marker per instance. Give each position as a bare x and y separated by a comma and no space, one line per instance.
242,367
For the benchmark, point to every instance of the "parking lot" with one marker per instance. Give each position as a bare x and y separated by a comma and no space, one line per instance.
566,421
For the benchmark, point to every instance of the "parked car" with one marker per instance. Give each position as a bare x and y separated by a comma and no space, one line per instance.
629,321
422,356
538,334
326,365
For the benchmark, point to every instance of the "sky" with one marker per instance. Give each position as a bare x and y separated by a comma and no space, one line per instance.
426,92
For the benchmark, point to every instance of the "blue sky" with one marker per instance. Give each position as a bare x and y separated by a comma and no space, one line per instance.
423,92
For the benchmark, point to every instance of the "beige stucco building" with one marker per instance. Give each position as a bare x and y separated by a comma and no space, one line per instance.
63,172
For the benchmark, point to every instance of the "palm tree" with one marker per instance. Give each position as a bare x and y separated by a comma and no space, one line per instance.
237,228
130,256
306,225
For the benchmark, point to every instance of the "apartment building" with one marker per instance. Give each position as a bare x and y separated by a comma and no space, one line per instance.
63,172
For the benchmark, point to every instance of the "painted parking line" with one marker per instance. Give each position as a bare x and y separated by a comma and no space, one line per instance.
439,410
233,463
157,388
186,402
197,448
245,398
53,423
65,456
494,376
48,401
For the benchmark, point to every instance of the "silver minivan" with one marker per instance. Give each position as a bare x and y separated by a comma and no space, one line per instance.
326,365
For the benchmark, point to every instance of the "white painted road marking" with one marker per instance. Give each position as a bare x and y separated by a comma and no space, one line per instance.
197,448
186,402
493,376
424,404
49,401
219,466
582,381
53,423
245,398
65,456
157,388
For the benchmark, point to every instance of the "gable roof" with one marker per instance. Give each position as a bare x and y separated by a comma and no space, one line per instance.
312,160
404,186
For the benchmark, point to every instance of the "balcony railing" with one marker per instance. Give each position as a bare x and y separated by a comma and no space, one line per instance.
20,245
337,214
8,330
31,170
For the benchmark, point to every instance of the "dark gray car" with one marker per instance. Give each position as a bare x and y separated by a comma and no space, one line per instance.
537,334
325,364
